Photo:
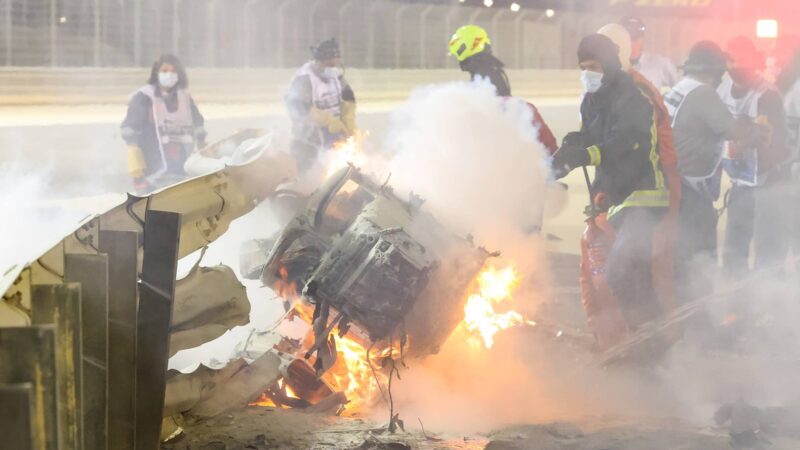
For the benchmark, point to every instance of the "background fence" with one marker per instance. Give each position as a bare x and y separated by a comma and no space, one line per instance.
277,33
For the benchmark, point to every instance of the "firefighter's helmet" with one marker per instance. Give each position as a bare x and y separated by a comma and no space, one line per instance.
467,41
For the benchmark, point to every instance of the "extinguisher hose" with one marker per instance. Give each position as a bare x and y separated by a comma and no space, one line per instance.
589,187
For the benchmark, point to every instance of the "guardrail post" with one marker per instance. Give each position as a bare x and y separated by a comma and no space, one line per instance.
137,34
373,35
312,13
342,12
96,37
518,37
281,11
423,21
398,29
248,33
496,24
52,32
212,33
448,24
176,26
9,34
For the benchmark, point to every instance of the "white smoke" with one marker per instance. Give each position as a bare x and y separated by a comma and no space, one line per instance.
475,158
32,224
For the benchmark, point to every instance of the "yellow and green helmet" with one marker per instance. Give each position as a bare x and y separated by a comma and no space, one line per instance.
467,41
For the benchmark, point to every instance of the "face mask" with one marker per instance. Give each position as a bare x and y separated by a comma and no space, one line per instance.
167,79
333,72
591,81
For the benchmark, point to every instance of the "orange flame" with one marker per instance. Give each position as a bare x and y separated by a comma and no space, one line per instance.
353,375
265,400
346,152
480,318
284,288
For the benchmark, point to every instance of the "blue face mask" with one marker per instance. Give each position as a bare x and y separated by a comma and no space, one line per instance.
591,81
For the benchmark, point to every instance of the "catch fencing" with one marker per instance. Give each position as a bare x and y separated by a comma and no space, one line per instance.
378,34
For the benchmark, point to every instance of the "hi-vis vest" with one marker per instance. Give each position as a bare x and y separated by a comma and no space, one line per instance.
674,100
743,170
326,93
172,128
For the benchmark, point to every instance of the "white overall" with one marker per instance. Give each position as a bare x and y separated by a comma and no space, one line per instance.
743,170
674,101
175,127
326,93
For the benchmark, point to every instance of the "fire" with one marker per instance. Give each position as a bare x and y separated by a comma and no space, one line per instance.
346,152
480,318
284,287
353,375
265,400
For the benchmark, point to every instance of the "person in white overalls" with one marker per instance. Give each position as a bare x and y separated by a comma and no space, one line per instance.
321,105
162,127
758,173
701,124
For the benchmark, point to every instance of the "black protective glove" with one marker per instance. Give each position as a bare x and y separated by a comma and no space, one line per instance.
572,154
574,139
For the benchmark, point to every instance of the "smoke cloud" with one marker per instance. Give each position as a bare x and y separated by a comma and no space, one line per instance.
476,160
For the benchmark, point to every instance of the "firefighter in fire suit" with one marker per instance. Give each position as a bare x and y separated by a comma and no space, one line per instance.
665,236
162,127
472,47
759,174
656,68
618,138
321,105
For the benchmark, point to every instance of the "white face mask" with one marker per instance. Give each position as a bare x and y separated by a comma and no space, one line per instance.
167,79
591,81
333,72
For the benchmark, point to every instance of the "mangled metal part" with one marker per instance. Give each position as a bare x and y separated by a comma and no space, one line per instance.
185,391
364,256
243,387
208,302
206,204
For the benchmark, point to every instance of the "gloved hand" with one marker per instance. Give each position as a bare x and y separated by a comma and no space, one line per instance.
136,163
567,158
349,117
326,120
200,138
574,139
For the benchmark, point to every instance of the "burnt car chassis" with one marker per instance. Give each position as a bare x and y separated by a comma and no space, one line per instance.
371,262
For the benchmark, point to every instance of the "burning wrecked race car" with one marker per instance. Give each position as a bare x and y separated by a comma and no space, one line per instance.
376,269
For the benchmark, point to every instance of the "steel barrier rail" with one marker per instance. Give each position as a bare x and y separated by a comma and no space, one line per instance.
38,86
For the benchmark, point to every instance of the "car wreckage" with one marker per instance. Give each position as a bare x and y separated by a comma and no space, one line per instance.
87,328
